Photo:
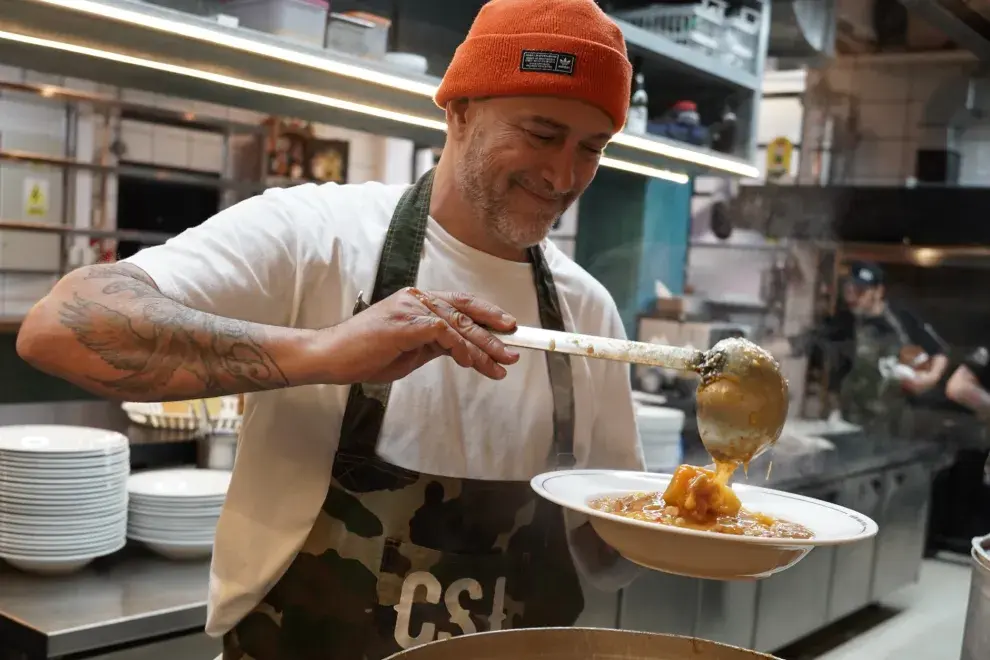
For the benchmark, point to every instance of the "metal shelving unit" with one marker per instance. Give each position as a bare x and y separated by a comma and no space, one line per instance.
143,46
692,61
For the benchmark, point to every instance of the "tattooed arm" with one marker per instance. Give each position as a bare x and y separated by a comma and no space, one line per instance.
108,329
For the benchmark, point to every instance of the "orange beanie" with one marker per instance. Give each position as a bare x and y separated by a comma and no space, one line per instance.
565,48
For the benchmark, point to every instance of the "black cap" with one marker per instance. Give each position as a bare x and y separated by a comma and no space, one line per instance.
865,273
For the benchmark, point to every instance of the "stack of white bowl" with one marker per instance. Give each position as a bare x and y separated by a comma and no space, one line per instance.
660,434
175,512
63,496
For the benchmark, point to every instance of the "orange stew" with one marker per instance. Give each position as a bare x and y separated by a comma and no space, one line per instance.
698,498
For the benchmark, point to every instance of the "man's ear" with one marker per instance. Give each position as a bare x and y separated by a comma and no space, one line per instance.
457,117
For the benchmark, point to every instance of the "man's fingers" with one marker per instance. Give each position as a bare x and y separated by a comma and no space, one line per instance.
468,327
481,312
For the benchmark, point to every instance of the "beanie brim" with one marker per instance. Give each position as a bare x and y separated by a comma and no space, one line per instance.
491,65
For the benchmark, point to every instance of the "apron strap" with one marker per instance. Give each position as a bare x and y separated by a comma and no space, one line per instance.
398,268
558,364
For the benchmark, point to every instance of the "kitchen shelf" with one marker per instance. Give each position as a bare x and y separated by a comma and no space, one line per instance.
654,46
143,46
137,111
147,237
148,172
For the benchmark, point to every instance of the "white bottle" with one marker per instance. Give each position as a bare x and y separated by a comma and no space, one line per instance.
638,114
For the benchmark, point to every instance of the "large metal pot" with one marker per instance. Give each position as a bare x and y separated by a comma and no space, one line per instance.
575,644
976,640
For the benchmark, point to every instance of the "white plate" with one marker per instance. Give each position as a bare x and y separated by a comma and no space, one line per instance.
93,547
15,489
699,553
61,465
170,539
10,522
179,484
176,549
194,552
53,440
47,482
78,547
59,565
89,472
138,510
62,509
181,525
178,504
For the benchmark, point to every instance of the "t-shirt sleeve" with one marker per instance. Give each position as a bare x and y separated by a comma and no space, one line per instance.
615,438
242,263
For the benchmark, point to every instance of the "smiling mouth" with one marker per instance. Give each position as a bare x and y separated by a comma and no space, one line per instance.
540,198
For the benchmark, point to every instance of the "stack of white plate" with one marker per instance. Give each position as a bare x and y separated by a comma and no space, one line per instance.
660,434
175,512
63,496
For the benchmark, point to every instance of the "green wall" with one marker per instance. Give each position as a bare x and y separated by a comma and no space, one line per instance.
633,230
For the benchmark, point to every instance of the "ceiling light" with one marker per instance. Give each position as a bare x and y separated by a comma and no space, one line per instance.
287,92
645,170
393,81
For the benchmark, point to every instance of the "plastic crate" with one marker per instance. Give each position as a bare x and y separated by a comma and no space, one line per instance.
301,20
699,26
741,38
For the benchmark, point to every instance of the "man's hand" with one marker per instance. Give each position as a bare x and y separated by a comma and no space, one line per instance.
396,336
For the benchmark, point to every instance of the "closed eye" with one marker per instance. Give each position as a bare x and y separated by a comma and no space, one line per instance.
541,137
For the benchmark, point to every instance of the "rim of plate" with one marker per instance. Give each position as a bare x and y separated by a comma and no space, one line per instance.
50,559
869,525
102,441
165,543
142,485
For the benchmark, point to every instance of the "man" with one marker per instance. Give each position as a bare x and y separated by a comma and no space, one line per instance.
960,492
969,384
380,498
885,357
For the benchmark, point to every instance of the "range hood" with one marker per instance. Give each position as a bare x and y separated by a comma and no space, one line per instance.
802,29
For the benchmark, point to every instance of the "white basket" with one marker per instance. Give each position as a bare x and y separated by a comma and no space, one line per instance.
697,26
155,416
741,38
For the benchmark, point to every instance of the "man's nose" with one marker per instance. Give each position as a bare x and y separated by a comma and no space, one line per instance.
558,171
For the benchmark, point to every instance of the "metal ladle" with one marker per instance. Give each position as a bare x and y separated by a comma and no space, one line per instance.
742,396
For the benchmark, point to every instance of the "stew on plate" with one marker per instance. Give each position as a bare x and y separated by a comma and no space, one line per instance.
699,498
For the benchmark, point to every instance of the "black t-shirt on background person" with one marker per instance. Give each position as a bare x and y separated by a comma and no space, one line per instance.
895,324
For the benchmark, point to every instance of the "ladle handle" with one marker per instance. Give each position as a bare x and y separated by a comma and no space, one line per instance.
621,350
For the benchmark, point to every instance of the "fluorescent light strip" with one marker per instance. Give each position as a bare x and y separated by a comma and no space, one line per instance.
645,170
230,81
286,92
688,155
220,38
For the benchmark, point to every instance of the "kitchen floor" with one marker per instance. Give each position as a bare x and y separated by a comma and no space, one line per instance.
922,622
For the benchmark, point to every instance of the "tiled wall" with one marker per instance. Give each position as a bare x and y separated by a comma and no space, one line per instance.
28,261
879,104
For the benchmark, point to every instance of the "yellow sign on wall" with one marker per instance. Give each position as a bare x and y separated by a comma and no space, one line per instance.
35,197
779,154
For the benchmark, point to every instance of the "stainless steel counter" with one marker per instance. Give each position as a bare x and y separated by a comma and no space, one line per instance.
133,596
129,597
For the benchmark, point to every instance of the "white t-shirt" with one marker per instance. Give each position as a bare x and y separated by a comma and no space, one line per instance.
300,257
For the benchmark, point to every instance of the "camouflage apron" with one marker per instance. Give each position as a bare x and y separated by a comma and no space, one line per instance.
397,558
